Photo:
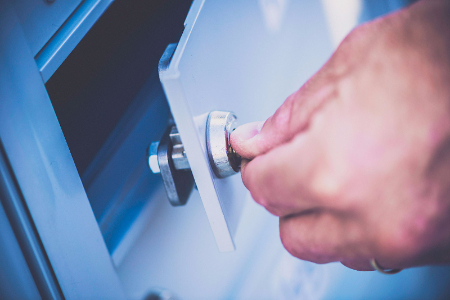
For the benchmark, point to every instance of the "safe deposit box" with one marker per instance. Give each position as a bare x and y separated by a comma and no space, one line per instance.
117,179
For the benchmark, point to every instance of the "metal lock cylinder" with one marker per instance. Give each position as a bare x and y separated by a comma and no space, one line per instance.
223,159
169,158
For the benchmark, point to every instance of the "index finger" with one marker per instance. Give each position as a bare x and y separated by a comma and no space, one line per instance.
291,118
280,180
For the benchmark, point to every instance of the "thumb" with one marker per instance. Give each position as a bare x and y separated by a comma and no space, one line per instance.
245,140
253,139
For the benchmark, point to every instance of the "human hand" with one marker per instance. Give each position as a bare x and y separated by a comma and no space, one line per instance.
356,163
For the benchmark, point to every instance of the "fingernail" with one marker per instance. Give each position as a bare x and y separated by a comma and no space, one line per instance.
247,131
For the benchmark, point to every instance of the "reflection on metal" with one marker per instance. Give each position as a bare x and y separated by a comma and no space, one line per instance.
223,159
168,158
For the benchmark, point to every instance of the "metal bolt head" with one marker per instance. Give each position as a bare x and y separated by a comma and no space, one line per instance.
153,158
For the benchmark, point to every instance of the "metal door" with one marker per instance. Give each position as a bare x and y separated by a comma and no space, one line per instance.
235,56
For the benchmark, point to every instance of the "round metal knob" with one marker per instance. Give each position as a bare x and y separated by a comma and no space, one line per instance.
223,159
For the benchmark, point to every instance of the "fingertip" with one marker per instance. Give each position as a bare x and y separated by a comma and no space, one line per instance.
247,131
243,139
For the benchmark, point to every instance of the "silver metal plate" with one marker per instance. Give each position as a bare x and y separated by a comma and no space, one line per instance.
240,56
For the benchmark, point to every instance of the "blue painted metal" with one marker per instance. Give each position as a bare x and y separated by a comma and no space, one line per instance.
26,233
16,280
40,19
175,250
110,105
119,178
69,35
46,175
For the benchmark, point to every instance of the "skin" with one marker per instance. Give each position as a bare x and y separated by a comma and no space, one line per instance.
356,163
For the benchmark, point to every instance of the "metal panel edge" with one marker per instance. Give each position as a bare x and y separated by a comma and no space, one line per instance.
46,174
53,54
201,170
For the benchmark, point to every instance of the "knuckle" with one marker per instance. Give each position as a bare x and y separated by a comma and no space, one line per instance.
355,37
328,186
357,44
258,199
294,244
268,205
360,34
274,209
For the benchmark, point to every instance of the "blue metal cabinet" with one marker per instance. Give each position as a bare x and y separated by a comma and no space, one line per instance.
46,176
